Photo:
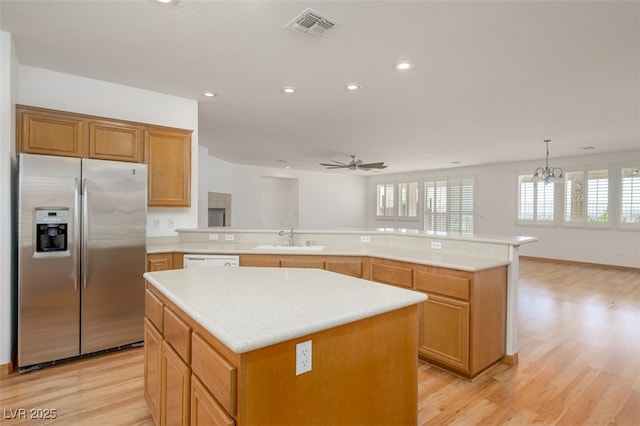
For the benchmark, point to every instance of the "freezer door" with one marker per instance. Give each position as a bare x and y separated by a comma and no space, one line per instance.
48,285
114,198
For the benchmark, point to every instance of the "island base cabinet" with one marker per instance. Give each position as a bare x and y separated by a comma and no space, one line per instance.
362,373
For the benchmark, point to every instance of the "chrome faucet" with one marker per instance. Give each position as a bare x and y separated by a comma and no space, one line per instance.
289,235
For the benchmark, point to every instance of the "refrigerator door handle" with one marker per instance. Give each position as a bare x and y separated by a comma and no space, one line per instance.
85,233
76,234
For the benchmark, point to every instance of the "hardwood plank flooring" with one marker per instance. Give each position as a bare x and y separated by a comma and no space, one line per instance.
579,364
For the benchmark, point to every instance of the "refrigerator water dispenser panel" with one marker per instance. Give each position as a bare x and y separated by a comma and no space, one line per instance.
51,230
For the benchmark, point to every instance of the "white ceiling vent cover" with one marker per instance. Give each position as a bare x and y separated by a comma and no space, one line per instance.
311,23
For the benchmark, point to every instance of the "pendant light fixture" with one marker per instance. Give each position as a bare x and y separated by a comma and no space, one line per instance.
547,174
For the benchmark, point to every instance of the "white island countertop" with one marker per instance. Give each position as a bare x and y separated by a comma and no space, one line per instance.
252,308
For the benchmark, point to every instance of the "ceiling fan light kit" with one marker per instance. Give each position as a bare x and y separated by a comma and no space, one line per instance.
354,165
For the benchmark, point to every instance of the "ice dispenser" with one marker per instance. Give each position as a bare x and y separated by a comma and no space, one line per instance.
51,230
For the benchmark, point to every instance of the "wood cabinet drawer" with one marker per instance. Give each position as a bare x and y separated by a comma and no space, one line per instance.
446,285
205,410
216,373
153,309
302,262
396,274
346,267
177,333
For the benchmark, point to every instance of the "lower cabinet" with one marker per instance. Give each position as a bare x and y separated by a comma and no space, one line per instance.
463,324
444,331
152,378
175,388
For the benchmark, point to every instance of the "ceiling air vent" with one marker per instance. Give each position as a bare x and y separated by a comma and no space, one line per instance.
311,23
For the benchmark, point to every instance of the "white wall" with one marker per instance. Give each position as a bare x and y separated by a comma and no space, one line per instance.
49,89
214,175
327,200
8,88
496,207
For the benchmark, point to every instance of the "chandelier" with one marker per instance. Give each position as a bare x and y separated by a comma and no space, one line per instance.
547,174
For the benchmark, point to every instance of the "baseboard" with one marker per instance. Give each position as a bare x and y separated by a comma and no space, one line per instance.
5,370
575,262
510,360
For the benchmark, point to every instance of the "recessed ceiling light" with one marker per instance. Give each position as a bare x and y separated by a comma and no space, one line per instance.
166,1
289,90
352,86
403,65
208,93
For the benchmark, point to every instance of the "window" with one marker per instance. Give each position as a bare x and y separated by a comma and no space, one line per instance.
449,204
586,200
630,198
408,200
535,202
385,200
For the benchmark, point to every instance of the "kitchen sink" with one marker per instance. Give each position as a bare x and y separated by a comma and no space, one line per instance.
287,247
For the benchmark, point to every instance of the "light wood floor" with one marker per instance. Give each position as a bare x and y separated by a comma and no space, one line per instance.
579,364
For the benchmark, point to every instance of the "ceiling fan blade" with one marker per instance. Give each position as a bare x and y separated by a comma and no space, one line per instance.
337,167
379,165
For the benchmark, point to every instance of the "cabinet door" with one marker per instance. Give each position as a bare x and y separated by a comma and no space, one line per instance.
159,262
41,131
112,140
168,156
205,411
176,387
444,331
152,378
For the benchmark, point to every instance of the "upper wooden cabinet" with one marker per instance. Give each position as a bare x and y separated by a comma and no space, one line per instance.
41,131
44,131
112,140
167,151
168,154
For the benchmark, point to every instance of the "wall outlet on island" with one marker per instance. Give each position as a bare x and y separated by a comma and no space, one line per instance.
213,237
303,357
365,239
229,237
436,245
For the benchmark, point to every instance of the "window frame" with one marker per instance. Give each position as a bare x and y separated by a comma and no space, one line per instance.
534,221
584,221
625,226
446,217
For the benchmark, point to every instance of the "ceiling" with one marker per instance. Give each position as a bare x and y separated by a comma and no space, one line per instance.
491,80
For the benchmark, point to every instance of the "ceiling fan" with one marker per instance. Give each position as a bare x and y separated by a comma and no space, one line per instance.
354,165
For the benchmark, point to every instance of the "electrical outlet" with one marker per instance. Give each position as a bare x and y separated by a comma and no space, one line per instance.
303,357
229,237
156,223
171,222
436,245
213,237
365,239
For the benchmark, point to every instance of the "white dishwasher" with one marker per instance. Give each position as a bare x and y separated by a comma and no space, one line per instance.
198,260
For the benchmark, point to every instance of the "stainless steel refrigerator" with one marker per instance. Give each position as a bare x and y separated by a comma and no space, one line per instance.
82,225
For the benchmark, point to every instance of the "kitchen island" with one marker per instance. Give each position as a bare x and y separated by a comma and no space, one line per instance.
221,347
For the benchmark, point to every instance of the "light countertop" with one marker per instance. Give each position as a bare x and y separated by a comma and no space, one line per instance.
427,257
251,308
